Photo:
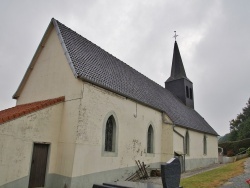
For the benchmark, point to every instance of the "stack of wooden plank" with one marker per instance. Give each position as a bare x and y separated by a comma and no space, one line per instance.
141,173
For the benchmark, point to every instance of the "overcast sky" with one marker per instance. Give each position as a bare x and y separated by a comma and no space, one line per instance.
213,39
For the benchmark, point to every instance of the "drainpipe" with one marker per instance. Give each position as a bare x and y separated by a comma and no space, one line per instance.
183,138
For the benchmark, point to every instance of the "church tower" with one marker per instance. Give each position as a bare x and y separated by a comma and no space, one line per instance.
178,83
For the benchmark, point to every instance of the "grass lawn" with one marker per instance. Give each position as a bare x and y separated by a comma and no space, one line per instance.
215,177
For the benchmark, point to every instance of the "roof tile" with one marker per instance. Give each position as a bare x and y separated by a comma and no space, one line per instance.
24,109
93,64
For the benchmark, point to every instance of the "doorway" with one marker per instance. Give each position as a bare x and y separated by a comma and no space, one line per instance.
181,157
38,165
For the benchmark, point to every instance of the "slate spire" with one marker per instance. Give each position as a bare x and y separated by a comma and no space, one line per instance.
177,70
178,83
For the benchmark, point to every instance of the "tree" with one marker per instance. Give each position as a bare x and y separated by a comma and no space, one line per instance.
233,135
240,126
244,131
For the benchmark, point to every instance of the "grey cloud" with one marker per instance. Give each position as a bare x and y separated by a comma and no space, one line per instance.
213,39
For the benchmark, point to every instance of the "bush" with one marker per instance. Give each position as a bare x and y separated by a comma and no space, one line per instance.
230,153
242,150
248,152
235,146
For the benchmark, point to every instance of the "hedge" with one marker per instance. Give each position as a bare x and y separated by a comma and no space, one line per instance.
234,146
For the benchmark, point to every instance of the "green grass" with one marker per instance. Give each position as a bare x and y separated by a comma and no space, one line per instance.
216,177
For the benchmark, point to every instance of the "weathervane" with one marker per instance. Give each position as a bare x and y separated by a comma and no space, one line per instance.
175,36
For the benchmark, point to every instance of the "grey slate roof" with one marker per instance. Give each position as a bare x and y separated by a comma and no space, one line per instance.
177,70
91,63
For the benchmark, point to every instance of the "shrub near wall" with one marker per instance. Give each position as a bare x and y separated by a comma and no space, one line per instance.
248,152
235,146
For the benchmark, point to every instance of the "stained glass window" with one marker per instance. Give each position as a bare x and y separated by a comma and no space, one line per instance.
187,143
204,145
109,134
150,139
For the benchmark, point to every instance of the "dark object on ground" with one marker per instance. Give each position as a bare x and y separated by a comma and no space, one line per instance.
141,173
171,173
155,173
127,184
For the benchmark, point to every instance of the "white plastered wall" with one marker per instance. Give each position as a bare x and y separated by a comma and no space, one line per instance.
132,123
18,136
167,148
196,153
51,76
66,141
196,143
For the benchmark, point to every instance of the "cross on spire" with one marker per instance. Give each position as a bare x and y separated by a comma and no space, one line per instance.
175,36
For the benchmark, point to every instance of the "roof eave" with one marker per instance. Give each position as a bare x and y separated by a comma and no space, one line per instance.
120,93
170,79
145,104
205,132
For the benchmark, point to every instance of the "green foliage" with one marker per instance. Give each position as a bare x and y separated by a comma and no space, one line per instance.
244,131
242,150
224,138
240,126
235,146
233,135
248,152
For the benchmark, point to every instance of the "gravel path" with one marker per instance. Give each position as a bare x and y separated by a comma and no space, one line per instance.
239,181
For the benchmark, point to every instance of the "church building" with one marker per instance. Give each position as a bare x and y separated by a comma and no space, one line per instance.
82,116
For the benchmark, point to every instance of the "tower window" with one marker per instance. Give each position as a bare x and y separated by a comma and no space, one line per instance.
191,93
187,92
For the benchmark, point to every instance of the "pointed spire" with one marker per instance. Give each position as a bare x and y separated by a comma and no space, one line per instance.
177,70
178,83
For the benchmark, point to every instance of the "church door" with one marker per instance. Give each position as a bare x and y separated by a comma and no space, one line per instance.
38,165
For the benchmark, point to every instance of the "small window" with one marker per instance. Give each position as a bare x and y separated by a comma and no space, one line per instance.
187,92
205,145
110,132
150,139
187,141
191,93
110,138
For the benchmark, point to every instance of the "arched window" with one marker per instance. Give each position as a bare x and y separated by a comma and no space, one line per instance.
187,143
150,142
191,93
110,134
187,92
205,145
